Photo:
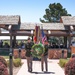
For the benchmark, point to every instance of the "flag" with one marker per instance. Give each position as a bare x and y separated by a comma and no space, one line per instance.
35,34
38,34
43,36
35,39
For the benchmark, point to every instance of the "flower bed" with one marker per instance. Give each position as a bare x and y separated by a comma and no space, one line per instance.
3,66
70,67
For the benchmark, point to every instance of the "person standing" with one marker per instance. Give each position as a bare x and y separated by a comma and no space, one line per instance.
44,57
1,43
28,47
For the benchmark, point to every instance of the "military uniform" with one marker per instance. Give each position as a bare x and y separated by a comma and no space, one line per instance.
28,54
44,58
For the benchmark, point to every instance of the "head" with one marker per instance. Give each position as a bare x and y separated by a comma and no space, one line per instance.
29,40
45,42
73,56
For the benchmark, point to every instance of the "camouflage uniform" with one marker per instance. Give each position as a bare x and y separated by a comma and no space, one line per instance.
28,54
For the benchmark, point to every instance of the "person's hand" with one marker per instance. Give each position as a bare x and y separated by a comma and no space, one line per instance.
32,50
25,53
42,55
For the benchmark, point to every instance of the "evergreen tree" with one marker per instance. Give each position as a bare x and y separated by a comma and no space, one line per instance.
54,12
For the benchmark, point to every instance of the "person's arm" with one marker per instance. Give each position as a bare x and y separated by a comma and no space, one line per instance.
25,46
25,49
25,52
46,51
31,46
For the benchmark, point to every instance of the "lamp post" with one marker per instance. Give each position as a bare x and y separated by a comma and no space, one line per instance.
19,52
32,34
49,32
11,53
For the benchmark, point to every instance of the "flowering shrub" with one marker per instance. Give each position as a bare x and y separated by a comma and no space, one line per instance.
70,67
3,61
16,62
38,50
3,69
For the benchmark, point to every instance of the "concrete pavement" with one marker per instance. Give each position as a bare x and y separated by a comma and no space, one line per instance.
53,68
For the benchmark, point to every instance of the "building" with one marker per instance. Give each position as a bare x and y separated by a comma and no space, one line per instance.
13,26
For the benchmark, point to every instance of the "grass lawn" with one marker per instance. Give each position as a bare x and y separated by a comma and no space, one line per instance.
6,57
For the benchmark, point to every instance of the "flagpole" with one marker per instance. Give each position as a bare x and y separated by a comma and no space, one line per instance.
41,26
41,33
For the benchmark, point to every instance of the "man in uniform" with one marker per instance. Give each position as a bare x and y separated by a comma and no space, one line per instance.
44,56
28,47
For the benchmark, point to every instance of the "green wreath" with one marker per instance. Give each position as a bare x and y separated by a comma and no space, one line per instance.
38,50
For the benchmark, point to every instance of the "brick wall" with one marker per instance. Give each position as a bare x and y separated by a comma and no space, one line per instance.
56,54
52,53
16,53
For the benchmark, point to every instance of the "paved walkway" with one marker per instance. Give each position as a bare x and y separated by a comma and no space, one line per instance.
53,68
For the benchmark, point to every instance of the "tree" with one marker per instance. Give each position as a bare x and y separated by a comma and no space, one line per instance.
54,12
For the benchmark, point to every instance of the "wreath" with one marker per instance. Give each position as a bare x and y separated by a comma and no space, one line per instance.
38,49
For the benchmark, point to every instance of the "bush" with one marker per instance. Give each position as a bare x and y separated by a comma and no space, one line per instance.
3,61
17,62
62,62
3,69
7,62
70,67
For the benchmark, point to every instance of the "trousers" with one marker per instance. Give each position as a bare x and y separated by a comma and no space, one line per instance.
44,59
29,63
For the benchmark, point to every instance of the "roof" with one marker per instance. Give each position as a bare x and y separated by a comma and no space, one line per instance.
9,19
53,26
68,20
46,26
28,26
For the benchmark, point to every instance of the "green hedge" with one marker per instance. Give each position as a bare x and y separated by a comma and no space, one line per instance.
16,62
62,62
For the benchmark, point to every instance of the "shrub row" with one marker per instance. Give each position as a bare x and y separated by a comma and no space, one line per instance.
16,62
62,62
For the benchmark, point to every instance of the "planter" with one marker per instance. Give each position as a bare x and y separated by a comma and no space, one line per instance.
16,53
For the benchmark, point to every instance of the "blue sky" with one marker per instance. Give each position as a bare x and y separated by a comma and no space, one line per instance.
32,10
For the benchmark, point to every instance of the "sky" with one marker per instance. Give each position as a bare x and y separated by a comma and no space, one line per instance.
32,10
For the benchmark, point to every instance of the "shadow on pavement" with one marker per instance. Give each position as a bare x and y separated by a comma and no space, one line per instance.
43,72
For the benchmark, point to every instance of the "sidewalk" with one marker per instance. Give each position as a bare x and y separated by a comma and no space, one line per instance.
53,68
